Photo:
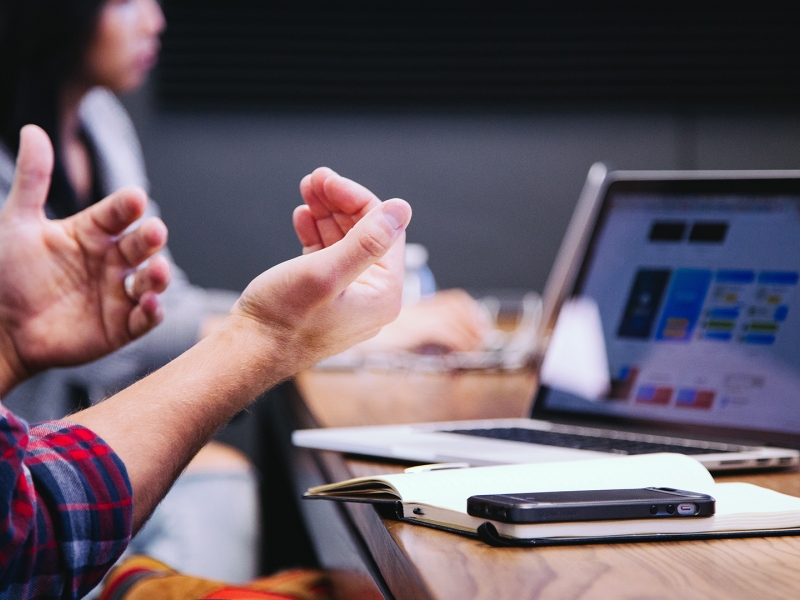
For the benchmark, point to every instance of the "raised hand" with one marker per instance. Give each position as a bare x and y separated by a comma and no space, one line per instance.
450,321
333,205
63,298
288,318
349,282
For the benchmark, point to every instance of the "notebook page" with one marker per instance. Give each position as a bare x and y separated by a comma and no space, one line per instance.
450,489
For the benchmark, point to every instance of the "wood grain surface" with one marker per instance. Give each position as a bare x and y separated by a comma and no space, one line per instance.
419,563
352,398
454,567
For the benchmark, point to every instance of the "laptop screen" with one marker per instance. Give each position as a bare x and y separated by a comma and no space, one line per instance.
696,289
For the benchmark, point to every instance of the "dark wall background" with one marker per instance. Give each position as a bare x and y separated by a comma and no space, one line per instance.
485,117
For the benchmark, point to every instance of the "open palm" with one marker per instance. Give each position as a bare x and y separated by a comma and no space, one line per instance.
349,282
62,294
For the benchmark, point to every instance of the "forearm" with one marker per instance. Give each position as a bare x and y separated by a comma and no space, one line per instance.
159,423
288,318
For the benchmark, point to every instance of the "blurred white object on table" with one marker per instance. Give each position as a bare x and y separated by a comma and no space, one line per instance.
419,282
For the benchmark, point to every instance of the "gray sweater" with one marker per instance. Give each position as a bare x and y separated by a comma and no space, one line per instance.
50,395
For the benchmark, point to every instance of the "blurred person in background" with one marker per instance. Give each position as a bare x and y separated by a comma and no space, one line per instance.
61,63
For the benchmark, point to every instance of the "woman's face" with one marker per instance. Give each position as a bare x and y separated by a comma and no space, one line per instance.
125,44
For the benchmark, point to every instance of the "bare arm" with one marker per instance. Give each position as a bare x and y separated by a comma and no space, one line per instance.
62,301
288,318
158,424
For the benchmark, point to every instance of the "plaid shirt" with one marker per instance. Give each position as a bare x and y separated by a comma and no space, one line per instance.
65,509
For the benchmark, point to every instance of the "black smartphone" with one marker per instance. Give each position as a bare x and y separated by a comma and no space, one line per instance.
591,505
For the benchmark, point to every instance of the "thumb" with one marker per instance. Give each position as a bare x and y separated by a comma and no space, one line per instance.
34,168
365,244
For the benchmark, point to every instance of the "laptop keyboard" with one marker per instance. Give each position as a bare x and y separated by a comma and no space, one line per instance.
629,445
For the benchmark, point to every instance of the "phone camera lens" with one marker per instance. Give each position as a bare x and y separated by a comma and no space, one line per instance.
654,509
671,509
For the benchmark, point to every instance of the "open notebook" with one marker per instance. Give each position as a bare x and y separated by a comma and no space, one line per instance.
439,499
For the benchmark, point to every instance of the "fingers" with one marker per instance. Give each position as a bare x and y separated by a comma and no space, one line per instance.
463,335
154,277
326,222
326,192
33,172
346,196
114,214
143,242
451,333
367,243
148,282
312,189
335,202
467,317
306,227
145,315
104,221
352,200
461,308
450,321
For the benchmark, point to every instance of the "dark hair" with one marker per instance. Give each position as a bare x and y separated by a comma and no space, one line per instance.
42,44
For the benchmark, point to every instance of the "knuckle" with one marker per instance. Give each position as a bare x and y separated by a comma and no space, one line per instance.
33,177
373,243
117,210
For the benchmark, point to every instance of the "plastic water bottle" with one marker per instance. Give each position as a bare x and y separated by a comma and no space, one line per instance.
418,282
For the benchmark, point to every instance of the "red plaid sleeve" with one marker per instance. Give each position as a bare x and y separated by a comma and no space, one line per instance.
65,509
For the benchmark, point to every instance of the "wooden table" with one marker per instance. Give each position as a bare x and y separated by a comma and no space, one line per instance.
408,561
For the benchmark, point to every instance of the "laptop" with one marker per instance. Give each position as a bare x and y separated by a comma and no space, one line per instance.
686,282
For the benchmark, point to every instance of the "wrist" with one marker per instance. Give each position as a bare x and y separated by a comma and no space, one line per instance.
263,355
